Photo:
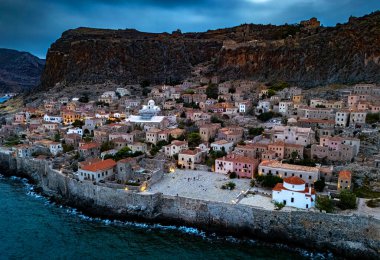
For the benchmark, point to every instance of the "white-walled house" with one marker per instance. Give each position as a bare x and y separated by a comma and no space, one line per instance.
175,147
284,107
357,118
222,145
263,106
53,119
55,148
75,130
97,171
342,117
294,193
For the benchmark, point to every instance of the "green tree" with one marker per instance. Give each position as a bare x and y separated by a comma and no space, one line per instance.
212,91
294,155
67,148
271,93
267,115
324,203
233,175
78,123
228,186
214,119
57,137
107,146
372,118
279,85
269,180
210,161
194,139
123,153
347,200
255,131
319,185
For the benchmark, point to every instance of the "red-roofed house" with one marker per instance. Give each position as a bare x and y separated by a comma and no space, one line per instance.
293,193
97,170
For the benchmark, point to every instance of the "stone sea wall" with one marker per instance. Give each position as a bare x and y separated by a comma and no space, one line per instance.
350,236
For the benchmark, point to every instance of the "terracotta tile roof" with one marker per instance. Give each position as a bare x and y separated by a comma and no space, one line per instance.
178,143
294,180
345,175
221,142
127,160
89,161
191,152
280,187
89,146
238,159
100,166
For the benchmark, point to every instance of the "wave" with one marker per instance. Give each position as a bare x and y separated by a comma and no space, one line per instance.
211,237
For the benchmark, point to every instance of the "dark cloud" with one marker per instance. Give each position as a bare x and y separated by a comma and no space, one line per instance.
34,25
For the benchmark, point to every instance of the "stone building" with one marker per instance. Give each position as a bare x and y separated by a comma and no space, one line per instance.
284,170
344,180
188,158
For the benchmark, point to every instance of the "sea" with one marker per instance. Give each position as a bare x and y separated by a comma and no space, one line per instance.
32,227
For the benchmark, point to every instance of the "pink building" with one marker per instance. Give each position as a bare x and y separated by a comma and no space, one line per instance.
244,167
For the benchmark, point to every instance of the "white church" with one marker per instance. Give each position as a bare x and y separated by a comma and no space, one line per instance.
294,193
149,116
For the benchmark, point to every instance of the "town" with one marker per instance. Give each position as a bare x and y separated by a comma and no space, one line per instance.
270,145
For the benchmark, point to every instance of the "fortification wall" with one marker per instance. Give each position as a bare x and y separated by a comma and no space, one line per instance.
348,235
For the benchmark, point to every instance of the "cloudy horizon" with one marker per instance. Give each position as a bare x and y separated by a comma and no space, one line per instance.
34,25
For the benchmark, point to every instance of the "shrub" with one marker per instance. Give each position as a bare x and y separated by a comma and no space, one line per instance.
319,185
347,200
255,131
267,115
324,203
374,203
233,175
228,186
212,91
269,180
278,205
252,183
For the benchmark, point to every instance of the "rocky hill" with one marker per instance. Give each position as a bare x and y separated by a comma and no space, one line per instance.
305,54
19,70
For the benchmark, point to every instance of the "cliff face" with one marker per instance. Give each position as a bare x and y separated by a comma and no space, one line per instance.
343,54
19,70
95,56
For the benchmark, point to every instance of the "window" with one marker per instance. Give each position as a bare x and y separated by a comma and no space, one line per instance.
292,200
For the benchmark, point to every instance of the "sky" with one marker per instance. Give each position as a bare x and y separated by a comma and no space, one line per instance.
32,25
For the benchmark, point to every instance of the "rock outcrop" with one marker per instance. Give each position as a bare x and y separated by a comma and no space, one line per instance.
19,71
307,56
